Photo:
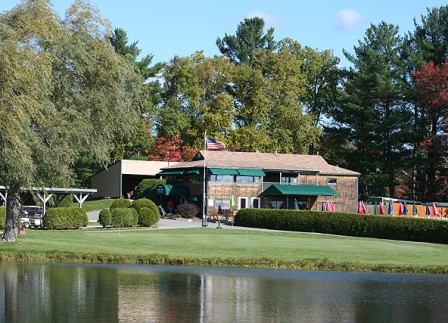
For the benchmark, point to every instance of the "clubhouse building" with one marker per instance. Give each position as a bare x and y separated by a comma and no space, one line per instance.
229,181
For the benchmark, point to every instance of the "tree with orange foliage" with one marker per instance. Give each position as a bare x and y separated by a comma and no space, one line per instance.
432,87
171,150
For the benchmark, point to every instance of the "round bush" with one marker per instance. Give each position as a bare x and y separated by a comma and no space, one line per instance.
147,188
62,218
105,217
124,217
145,217
187,210
2,217
120,203
144,202
150,216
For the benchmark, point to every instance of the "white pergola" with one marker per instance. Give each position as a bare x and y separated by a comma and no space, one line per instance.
45,193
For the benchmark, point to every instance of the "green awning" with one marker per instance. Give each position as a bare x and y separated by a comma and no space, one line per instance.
251,172
170,172
223,171
172,190
192,171
302,189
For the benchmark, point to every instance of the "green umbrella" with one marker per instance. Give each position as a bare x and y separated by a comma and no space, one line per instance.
376,210
232,202
414,209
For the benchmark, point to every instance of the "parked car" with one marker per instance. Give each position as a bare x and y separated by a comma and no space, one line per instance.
31,216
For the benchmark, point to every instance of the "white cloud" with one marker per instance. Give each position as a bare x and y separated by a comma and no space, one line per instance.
269,20
349,19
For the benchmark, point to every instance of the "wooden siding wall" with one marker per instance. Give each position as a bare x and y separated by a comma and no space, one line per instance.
225,191
347,187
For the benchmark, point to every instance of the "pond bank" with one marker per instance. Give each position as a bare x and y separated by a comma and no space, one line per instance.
179,242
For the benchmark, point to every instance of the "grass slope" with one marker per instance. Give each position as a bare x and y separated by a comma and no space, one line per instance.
94,205
208,246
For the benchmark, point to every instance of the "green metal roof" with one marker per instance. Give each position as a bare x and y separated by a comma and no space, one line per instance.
301,189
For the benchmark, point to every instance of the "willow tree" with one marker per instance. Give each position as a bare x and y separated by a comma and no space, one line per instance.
63,90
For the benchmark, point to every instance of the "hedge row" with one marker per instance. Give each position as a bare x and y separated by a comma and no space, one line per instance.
124,213
61,218
358,225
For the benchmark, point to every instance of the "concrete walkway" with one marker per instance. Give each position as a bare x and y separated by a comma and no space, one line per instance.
179,223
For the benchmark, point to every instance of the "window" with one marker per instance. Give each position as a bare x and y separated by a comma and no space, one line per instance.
332,181
221,178
289,179
255,202
224,203
242,203
276,204
247,179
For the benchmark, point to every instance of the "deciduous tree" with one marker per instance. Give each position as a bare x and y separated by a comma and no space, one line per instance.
195,99
427,43
432,86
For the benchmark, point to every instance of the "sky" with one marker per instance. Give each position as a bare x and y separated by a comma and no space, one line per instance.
181,27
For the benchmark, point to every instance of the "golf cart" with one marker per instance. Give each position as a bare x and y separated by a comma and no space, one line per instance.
31,216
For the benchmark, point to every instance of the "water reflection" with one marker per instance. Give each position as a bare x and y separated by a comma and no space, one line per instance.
103,293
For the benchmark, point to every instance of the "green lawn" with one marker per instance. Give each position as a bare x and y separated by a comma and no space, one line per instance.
240,247
93,205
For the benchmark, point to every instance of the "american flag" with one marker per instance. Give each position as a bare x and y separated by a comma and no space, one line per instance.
213,144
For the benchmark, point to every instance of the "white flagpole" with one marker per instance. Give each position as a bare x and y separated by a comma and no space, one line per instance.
204,196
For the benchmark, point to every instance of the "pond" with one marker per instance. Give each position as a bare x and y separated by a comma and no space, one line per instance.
138,293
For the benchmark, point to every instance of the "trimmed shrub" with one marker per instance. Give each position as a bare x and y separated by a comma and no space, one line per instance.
187,210
147,210
120,203
63,218
147,189
2,217
105,217
124,217
147,217
359,225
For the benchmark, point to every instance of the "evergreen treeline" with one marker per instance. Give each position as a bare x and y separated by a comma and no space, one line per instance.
385,116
